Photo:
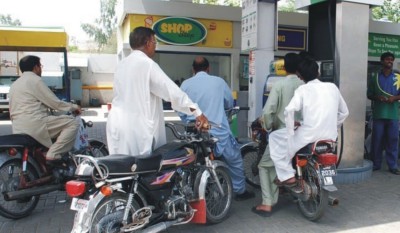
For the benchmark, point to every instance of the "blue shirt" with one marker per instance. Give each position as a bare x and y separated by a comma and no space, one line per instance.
213,96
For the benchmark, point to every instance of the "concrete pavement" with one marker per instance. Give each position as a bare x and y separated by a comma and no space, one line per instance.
370,206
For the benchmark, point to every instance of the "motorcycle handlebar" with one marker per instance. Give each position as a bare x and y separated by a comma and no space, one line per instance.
232,111
190,131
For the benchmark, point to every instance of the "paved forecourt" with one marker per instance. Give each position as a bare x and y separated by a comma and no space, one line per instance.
370,206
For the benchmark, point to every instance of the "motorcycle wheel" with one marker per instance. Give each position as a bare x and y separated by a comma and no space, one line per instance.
9,181
314,207
250,166
218,206
107,217
97,149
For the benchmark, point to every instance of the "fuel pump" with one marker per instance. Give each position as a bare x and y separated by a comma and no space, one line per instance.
276,72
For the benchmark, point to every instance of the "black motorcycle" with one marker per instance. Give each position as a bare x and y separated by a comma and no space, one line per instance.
178,183
251,150
24,174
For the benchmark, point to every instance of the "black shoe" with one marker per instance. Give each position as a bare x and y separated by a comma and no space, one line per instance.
244,196
394,171
55,162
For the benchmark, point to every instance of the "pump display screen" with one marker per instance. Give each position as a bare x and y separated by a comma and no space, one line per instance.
327,69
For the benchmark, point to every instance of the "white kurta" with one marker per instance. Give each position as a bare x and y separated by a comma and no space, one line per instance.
323,109
136,119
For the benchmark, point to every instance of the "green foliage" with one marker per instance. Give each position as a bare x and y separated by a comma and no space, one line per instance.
288,6
8,21
389,11
103,31
73,48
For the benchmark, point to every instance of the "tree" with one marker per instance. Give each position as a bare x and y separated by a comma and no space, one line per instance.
104,28
389,11
287,6
8,21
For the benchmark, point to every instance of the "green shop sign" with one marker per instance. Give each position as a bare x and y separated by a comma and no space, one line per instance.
179,31
380,43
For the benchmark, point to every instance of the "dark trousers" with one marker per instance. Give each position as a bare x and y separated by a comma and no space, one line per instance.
385,136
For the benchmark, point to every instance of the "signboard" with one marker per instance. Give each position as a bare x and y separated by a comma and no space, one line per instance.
292,38
179,31
249,25
183,31
380,43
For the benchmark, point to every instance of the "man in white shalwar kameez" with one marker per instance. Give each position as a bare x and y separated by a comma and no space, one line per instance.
323,110
135,124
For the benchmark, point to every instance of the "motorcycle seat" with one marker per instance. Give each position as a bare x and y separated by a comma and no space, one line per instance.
306,150
118,163
18,140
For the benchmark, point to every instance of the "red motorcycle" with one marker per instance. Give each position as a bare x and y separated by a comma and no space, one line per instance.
24,174
315,166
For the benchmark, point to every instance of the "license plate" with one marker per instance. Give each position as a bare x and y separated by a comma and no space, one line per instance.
79,204
328,170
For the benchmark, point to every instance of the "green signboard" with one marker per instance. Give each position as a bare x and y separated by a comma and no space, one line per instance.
380,43
179,31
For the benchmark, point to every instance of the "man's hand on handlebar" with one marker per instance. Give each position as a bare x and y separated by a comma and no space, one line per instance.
202,123
77,111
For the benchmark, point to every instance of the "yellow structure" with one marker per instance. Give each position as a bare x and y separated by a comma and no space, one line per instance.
33,39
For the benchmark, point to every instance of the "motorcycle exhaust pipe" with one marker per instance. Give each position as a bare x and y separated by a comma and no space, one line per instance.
162,226
333,201
24,193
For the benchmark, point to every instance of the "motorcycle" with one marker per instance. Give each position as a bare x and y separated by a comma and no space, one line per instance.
180,182
24,174
251,150
315,166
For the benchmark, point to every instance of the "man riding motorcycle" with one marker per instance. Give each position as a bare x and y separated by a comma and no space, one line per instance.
30,99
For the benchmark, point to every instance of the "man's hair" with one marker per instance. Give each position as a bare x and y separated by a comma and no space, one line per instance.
292,61
200,64
27,63
387,54
139,37
308,69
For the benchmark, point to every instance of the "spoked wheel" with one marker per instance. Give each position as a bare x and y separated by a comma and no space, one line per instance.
9,181
97,149
314,207
108,216
250,166
218,205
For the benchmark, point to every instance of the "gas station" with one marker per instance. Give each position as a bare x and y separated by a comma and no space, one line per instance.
241,44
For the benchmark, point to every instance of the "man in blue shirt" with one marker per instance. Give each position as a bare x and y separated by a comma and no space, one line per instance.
213,96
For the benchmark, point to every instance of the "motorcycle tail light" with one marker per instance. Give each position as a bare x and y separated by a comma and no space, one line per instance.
75,188
327,159
106,190
12,151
